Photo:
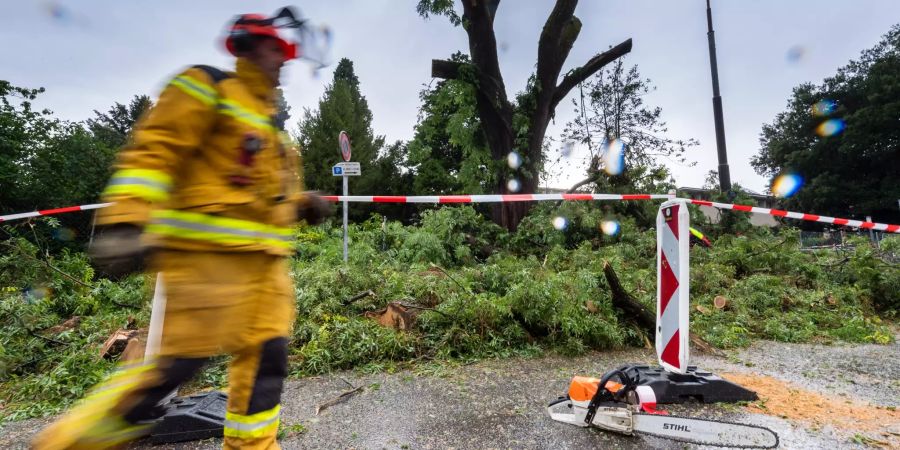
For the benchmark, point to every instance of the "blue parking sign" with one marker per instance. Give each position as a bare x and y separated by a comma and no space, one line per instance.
337,170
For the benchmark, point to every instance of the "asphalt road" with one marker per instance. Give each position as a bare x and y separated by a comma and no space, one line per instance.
500,404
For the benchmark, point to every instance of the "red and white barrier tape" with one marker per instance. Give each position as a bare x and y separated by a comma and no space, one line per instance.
890,228
491,198
801,216
50,212
402,199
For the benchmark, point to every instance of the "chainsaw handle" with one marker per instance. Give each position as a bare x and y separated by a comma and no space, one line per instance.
604,394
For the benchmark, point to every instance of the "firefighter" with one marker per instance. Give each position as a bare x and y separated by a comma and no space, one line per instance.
206,194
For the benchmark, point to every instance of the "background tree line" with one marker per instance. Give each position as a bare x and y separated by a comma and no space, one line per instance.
46,162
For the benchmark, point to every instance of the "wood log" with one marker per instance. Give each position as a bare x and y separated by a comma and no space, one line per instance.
134,351
634,310
720,302
116,343
393,316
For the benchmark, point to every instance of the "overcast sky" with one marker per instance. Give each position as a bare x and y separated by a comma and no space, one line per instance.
89,54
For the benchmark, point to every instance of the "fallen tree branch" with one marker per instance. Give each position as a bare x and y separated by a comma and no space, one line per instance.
424,308
359,296
705,347
349,384
581,183
643,317
48,339
35,334
451,277
768,248
339,399
582,73
48,265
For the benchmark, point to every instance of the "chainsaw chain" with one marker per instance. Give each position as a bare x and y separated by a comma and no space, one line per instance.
698,442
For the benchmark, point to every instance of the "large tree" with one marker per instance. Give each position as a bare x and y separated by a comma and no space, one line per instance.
22,129
341,108
449,153
344,108
45,162
113,127
48,163
612,108
843,138
520,124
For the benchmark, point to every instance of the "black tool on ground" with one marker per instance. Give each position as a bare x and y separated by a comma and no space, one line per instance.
192,418
695,385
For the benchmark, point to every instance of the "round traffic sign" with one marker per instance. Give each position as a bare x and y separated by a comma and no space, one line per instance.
344,142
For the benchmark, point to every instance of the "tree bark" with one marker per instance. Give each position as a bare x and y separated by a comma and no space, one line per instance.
584,72
633,309
494,109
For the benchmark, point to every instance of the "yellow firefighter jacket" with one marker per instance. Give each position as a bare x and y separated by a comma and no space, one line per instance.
207,169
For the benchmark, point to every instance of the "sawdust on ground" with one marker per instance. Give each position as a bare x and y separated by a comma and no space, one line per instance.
786,400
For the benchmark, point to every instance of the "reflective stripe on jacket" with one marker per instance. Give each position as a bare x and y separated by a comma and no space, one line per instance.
206,167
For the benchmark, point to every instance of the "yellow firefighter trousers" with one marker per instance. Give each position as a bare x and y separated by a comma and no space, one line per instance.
240,304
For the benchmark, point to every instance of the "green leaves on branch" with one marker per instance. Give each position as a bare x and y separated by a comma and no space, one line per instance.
842,137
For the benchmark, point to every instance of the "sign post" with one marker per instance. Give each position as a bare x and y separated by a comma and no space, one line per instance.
673,286
344,170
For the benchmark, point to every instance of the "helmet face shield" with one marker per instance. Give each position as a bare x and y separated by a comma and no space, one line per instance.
290,44
287,28
296,38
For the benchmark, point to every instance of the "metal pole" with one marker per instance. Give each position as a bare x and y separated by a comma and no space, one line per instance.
91,240
724,175
346,203
872,233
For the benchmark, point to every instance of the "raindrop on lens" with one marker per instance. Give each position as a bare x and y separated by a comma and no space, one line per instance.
614,157
795,54
830,127
513,185
35,293
560,223
57,11
610,227
514,160
787,185
567,148
823,108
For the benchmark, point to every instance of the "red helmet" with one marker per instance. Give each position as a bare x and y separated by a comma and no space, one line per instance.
247,25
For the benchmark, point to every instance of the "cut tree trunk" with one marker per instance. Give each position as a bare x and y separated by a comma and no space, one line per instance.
394,315
720,302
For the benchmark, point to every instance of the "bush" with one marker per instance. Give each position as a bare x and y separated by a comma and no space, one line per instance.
42,371
476,291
